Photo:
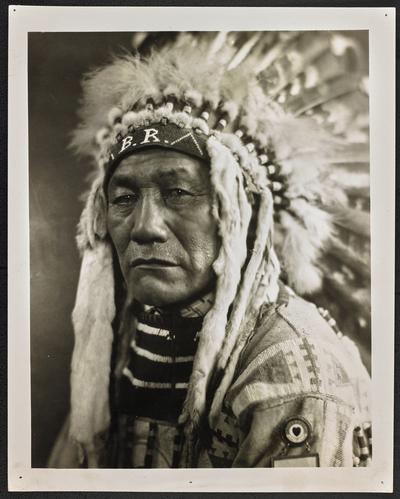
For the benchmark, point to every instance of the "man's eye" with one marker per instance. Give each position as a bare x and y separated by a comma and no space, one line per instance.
124,200
176,194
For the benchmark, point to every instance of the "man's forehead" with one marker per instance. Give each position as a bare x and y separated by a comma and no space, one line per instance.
159,164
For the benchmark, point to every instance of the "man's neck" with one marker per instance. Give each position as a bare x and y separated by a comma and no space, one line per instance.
196,308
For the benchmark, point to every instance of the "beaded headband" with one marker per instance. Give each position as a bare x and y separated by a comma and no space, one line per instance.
164,127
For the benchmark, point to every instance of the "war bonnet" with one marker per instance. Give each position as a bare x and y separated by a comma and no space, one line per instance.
207,98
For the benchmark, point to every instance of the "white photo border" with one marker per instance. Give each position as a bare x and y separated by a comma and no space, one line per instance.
380,22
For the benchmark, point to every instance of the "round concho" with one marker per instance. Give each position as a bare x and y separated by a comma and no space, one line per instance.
296,430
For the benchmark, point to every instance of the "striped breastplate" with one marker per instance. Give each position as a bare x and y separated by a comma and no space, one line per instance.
155,380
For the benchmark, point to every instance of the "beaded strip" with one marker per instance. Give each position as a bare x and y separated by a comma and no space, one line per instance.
331,321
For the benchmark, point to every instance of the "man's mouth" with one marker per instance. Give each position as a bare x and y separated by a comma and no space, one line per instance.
152,262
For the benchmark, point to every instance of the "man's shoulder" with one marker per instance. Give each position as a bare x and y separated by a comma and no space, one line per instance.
291,320
294,353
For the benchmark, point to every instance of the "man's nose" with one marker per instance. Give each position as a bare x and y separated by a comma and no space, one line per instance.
148,221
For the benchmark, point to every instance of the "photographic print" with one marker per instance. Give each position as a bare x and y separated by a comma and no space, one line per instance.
200,251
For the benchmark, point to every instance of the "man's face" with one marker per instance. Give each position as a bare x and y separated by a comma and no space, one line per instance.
160,221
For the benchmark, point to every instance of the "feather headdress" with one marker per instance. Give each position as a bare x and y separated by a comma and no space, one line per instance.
270,112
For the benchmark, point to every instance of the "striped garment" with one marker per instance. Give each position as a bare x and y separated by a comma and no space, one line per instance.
156,377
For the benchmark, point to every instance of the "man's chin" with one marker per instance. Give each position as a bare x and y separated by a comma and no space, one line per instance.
157,293
157,298
169,289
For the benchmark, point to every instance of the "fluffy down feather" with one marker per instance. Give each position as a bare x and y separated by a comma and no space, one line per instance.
298,255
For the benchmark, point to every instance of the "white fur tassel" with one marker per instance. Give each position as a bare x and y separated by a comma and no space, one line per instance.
233,215
92,317
92,224
249,277
258,286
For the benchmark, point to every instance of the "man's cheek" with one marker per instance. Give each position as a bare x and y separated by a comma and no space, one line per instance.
203,258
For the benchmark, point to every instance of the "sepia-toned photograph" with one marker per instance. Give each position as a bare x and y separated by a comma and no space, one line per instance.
222,308
200,249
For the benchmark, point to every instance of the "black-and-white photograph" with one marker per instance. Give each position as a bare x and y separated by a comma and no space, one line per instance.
200,249
222,310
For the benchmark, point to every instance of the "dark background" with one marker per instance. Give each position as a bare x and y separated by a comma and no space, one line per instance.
57,180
